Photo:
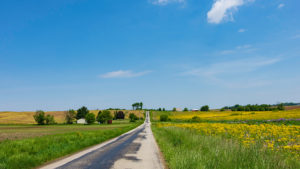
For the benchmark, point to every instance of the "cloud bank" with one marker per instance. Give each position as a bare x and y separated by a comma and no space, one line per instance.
165,2
123,74
223,10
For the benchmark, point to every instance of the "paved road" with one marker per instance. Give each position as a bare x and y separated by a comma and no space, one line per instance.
135,150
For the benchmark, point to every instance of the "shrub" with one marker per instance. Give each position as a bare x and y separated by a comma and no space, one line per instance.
104,116
119,115
174,109
90,118
164,117
196,119
49,119
204,108
70,116
132,117
39,117
82,112
186,109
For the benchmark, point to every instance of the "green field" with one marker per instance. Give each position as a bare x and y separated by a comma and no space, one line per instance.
28,146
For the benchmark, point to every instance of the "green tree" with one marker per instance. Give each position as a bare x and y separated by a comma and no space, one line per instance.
70,116
82,112
132,117
104,116
185,109
159,109
163,109
141,105
174,109
39,117
204,108
90,118
49,119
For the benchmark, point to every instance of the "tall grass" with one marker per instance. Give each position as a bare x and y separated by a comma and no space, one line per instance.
32,152
183,148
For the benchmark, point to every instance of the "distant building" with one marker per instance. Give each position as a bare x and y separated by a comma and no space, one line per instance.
178,109
81,121
195,110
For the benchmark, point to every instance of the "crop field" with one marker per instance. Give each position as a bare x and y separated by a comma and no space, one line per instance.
232,115
28,146
10,117
229,143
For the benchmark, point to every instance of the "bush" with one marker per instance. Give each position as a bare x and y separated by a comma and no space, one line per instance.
174,109
196,119
39,117
90,118
119,115
49,119
132,117
70,116
164,117
82,112
104,116
186,109
204,108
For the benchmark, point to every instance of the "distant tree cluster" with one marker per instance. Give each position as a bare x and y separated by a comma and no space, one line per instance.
204,108
42,119
256,107
161,109
137,106
119,115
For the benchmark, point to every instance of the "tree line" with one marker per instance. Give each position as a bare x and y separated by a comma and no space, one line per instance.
256,107
83,113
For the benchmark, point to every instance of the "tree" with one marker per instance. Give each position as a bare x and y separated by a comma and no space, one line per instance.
159,109
119,115
70,116
204,108
132,117
141,105
174,109
39,117
90,118
49,119
104,116
163,109
82,112
185,109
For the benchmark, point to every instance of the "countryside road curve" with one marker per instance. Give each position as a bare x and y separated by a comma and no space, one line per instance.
133,150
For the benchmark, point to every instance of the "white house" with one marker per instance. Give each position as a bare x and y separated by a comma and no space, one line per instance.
81,121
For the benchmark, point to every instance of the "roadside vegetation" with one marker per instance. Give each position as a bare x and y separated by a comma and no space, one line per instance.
185,148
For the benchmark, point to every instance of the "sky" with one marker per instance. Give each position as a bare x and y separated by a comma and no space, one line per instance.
64,54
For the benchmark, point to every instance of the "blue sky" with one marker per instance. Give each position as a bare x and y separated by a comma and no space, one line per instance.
57,55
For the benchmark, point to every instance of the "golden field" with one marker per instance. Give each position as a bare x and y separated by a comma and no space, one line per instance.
10,117
271,136
232,115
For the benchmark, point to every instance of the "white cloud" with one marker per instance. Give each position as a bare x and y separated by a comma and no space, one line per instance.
281,6
123,74
165,2
232,74
242,30
241,48
232,67
296,37
223,10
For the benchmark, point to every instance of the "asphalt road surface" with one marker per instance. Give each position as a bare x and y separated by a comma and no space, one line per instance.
133,150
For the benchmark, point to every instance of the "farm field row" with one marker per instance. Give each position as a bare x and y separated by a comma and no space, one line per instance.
11,117
231,115
28,146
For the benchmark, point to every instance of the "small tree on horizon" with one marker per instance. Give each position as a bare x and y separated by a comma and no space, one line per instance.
70,116
39,117
185,109
174,109
82,112
204,108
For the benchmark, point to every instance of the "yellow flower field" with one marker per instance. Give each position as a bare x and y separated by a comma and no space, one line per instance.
275,137
230,115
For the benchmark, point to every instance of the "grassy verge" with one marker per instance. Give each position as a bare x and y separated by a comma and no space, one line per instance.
183,148
32,152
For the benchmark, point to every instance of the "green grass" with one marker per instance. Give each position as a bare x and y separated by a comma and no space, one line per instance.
32,152
183,148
